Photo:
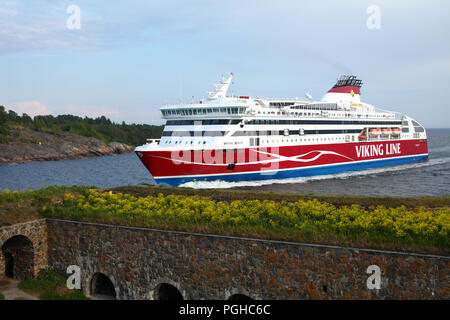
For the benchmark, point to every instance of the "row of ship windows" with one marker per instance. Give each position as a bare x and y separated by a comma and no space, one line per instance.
202,122
319,114
322,122
182,133
268,122
270,141
202,111
322,106
292,132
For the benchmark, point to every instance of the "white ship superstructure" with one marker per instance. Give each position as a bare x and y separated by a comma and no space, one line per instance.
249,125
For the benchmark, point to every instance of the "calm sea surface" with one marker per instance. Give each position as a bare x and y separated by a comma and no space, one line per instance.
430,177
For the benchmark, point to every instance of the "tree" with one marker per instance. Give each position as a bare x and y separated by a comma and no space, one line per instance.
26,120
13,117
39,123
4,129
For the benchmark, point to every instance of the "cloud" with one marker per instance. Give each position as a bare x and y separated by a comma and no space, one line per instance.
36,26
433,69
91,112
144,117
34,108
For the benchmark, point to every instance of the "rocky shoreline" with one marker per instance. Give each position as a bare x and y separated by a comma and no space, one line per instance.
30,145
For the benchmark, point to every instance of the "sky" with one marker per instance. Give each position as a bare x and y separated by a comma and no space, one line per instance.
127,58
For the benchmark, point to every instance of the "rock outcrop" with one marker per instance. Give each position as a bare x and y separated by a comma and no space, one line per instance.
30,145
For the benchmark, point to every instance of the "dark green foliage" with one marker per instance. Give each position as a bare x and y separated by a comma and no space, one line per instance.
100,128
4,128
26,120
50,286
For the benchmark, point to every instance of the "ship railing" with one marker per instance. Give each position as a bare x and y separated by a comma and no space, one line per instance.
395,115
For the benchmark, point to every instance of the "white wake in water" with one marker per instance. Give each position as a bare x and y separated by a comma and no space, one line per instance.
220,184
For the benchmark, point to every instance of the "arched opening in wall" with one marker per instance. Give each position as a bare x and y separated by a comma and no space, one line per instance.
165,291
18,254
241,297
9,265
102,288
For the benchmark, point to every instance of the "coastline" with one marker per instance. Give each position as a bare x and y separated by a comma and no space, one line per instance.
30,145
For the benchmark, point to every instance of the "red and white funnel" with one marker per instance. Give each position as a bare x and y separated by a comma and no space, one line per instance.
345,91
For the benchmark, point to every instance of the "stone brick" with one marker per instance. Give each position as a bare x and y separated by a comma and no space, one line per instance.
137,260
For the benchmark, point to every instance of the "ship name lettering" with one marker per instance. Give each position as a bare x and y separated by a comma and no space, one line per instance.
375,150
393,148
372,150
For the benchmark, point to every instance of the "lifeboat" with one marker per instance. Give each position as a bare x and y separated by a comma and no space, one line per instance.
375,131
396,131
386,131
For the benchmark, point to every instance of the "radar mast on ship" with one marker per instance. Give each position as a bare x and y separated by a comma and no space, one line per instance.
220,88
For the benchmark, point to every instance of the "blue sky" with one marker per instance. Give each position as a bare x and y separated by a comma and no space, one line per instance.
129,57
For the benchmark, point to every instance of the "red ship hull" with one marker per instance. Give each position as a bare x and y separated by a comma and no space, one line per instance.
177,167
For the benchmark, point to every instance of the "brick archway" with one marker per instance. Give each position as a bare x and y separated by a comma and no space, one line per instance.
101,287
241,297
18,255
165,291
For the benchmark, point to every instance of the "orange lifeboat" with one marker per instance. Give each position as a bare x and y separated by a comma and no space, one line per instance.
386,131
396,131
374,131
362,136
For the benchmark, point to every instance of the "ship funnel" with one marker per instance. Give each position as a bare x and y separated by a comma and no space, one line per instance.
346,89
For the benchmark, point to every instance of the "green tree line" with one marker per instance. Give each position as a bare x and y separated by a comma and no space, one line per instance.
101,128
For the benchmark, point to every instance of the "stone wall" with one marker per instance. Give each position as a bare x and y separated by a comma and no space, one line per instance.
26,243
137,260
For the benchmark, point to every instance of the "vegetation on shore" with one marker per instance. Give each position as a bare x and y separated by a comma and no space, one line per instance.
364,222
17,207
242,194
49,285
101,128
2,297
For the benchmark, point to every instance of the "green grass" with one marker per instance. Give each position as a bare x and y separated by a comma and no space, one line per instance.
341,225
337,200
379,227
2,297
17,207
50,286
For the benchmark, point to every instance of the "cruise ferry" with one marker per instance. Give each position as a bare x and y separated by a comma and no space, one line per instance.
239,138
